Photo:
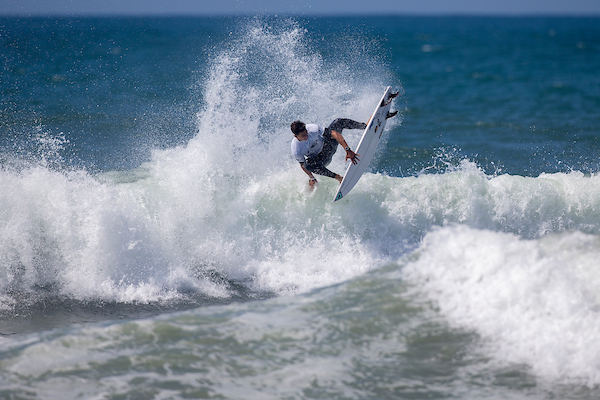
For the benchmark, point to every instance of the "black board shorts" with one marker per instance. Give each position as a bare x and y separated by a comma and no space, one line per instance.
318,163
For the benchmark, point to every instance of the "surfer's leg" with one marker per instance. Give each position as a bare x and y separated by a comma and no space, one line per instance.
330,145
340,124
318,168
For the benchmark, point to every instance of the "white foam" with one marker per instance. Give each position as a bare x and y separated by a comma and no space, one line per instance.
233,203
148,234
534,302
527,206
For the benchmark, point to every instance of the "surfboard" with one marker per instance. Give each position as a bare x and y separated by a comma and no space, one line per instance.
367,145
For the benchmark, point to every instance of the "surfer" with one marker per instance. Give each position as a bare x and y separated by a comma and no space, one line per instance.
313,146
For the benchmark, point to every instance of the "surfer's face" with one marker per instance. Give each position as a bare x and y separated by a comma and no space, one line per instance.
302,135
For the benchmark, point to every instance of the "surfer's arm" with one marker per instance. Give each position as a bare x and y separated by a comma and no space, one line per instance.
350,155
312,178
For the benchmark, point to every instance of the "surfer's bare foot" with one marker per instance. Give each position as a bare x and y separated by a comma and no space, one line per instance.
391,114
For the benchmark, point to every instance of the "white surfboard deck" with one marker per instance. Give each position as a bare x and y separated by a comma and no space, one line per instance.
367,145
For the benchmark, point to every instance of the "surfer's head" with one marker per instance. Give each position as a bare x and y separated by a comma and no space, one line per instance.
298,127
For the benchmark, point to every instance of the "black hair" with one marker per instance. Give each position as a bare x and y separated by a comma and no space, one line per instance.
297,127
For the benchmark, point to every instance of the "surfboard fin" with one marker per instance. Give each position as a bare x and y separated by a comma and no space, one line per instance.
391,114
390,97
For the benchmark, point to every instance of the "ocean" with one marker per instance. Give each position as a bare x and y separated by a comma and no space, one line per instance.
158,241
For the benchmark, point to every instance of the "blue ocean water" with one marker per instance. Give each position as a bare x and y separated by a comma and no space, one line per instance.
158,241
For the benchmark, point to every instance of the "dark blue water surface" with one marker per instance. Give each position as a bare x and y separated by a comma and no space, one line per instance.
518,94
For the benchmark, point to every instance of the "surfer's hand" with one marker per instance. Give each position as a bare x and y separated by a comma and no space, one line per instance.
312,183
352,156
